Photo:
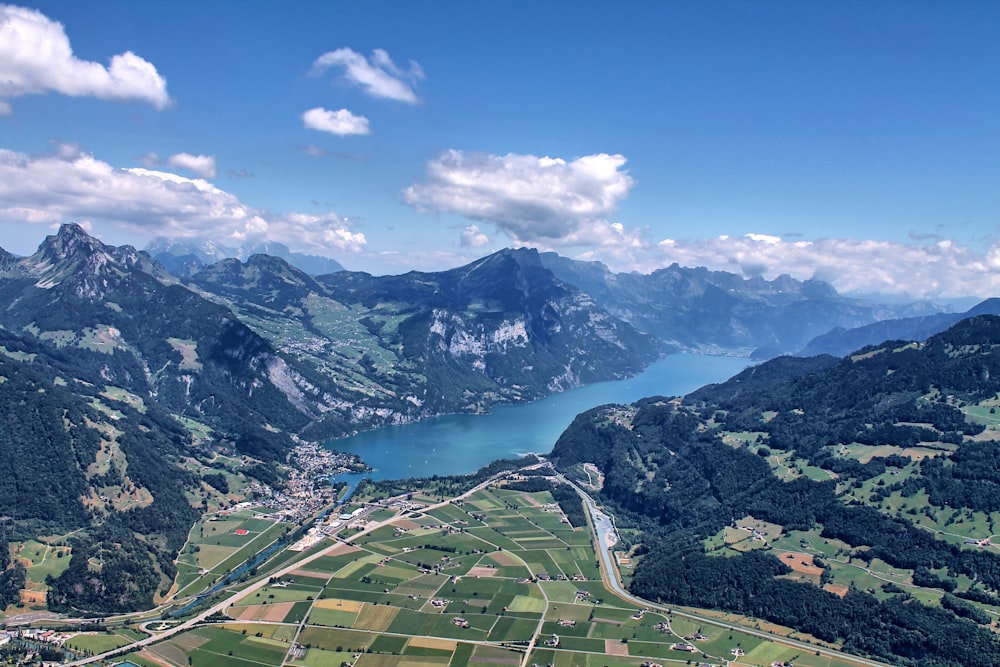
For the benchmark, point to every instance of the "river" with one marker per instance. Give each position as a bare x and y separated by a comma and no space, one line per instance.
460,444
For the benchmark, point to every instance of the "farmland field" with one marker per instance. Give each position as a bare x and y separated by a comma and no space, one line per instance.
469,582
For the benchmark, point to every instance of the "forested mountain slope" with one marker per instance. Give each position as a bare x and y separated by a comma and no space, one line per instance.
875,477
101,468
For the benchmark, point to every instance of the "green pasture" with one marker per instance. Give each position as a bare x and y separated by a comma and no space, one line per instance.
382,514
514,526
541,542
540,562
451,513
329,639
553,523
275,595
390,644
229,648
511,571
421,584
566,658
333,564
44,560
485,500
496,540
508,628
573,560
332,617
98,642
422,624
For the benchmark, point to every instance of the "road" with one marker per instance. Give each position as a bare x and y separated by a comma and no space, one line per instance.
262,581
603,527
601,523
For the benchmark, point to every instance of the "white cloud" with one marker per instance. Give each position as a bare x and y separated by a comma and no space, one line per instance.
473,238
324,231
340,122
70,185
36,57
202,165
541,201
379,76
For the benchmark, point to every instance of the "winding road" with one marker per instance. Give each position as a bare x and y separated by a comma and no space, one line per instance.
601,524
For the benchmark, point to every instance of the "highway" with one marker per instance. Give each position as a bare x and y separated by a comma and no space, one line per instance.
600,522
261,582
603,527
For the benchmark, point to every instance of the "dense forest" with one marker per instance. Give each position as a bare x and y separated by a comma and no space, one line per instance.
120,557
680,472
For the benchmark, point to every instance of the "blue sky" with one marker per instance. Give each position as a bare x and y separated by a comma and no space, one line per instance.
858,142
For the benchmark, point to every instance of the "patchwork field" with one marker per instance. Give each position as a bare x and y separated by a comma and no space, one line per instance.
460,583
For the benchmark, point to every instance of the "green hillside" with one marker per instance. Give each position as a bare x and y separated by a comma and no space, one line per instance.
852,500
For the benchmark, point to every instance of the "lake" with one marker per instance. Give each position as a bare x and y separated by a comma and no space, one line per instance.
460,444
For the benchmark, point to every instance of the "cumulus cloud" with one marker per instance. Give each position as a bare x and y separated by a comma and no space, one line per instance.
544,201
69,184
943,269
341,122
36,57
473,238
378,76
202,165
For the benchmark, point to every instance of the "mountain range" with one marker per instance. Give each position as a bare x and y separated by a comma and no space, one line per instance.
262,342
183,257
686,309
695,309
132,394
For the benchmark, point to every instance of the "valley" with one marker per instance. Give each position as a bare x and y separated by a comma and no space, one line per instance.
520,334
498,572
814,497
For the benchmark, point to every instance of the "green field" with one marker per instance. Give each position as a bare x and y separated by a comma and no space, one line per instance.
214,548
442,588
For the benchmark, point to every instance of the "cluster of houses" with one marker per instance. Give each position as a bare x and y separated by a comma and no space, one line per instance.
308,488
757,535
38,635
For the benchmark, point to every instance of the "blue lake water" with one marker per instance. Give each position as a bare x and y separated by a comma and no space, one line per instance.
460,444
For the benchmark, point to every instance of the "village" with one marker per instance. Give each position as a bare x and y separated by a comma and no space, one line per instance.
308,488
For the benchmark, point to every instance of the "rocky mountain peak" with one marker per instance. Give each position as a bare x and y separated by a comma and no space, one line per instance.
75,257
70,242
